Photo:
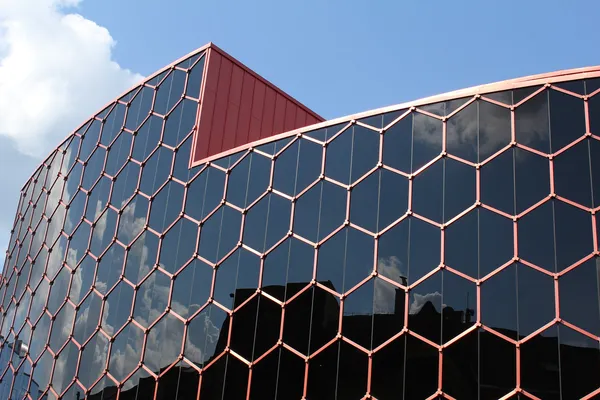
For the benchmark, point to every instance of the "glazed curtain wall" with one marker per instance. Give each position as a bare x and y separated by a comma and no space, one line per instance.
448,250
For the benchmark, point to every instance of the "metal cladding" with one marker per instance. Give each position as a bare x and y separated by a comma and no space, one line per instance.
443,248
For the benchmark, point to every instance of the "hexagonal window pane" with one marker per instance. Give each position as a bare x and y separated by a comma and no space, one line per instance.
139,108
152,298
93,169
345,259
133,219
90,139
82,279
532,179
192,288
58,290
125,184
110,268
397,145
178,245
78,244
166,206
579,358
409,251
205,193
41,375
206,335
117,308
87,318
98,198
62,327
118,153
169,92
180,122
156,171
532,125
297,167
379,200
567,119
572,178
147,138
352,154
541,350
220,234
104,231
113,124
580,286
319,211
93,360
194,79
163,344
75,212
125,353
267,222
141,257
248,180
236,278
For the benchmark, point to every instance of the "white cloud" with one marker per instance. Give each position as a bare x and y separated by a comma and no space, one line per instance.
56,69
419,300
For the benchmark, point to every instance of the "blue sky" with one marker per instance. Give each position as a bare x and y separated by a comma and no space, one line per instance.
342,57
61,60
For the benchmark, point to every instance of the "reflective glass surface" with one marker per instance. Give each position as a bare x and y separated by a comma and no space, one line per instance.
446,250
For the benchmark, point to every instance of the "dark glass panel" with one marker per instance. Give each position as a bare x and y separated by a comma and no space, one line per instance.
497,366
427,140
166,206
536,299
98,198
118,153
248,180
125,353
113,124
110,268
521,93
572,86
425,308
462,133
567,119
41,375
320,211
192,288
194,79
459,188
357,321
595,170
288,269
540,365
297,167
78,245
156,171
345,259
579,363
460,376
379,200
104,231
181,165
573,234
594,113
178,245
236,278
428,192
141,257
255,327
147,138
117,308
326,133
163,343
494,129
169,91
89,140
459,306
267,222
387,373
151,298
421,369
409,251
579,296
227,162
532,125
572,178
536,236
125,184
205,193
132,219
87,318
273,147
93,169
497,182
141,385
38,301
532,179
82,279
220,234
206,336
499,306
280,375
139,108
72,184
338,158
181,381
61,327
365,151
180,122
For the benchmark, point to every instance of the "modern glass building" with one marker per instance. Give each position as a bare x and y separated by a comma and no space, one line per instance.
206,236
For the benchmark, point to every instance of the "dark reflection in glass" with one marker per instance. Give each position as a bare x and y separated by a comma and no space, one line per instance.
532,179
180,122
319,211
194,79
169,92
297,167
540,365
240,271
460,367
577,287
147,138
205,193
181,381
427,140
287,384
287,269
595,170
248,180
579,362
178,245
62,327
156,171
352,154
205,333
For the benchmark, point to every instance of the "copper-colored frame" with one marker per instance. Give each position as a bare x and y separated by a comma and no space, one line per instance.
546,81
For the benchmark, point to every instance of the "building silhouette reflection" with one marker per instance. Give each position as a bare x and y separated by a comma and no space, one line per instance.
479,365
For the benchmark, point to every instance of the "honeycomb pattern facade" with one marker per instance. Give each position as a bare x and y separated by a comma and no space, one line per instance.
446,250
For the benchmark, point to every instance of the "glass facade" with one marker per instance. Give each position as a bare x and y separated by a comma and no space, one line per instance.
445,250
